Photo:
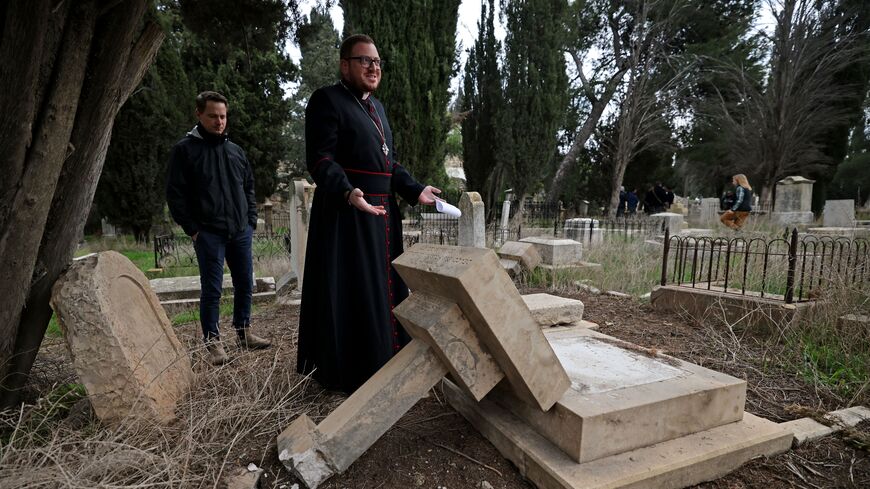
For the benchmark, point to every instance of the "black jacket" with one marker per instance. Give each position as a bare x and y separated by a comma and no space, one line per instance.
210,184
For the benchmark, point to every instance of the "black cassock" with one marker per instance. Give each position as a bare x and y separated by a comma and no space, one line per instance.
346,327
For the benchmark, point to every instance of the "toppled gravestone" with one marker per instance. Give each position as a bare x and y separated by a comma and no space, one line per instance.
122,344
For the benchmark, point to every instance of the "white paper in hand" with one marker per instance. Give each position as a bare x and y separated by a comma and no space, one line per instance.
445,208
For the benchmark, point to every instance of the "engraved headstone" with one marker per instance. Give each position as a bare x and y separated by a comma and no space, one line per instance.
793,204
300,205
472,222
121,342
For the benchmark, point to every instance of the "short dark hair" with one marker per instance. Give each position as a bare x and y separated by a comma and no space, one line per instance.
208,96
348,44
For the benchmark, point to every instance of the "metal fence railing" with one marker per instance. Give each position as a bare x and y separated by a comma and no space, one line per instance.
791,268
171,250
591,230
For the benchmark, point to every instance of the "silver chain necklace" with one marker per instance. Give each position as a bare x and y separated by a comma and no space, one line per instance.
384,147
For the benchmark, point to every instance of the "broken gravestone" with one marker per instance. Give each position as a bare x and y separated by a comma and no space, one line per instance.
467,319
121,342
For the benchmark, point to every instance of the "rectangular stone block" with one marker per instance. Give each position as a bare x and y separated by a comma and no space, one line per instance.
473,279
671,220
624,397
524,253
442,325
557,251
681,462
839,213
122,345
550,310
314,453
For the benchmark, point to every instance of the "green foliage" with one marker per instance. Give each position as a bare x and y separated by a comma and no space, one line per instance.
417,41
536,93
238,50
318,42
131,190
852,180
482,105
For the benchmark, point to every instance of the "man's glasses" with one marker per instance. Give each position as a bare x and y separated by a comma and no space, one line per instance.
366,61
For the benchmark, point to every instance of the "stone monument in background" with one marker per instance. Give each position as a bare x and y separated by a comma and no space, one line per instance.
839,214
794,199
472,222
121,342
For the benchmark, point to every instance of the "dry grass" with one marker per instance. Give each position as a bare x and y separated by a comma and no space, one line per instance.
230,419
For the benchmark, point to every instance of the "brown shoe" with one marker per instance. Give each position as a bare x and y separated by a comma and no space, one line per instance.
216,353
251,341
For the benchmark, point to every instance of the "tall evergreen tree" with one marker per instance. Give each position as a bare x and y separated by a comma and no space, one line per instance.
236,47
536,92
318,43
481,103
417,39
131,192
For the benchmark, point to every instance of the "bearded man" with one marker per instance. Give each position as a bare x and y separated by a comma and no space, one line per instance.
347,330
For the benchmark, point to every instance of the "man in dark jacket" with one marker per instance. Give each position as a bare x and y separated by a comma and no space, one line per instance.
210,191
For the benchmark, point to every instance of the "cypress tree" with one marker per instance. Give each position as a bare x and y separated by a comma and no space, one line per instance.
482,100
536,93
131,192
417,39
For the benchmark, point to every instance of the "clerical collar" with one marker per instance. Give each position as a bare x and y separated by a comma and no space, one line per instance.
354,90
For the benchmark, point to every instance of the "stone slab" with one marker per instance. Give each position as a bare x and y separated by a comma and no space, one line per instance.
681,462
550,310
121,342
524,253
513,268
173,307
175,288
624,397
472,222
442,325
792,218
671,220
474,280
557,251
839,213
313,453
807,429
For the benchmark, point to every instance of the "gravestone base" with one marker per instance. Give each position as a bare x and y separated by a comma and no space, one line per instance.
792,218
557,251
624,397
681,462
550,310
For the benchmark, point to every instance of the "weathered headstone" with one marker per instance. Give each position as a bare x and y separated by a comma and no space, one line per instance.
557,252
584,230
839,214
793,204
672,221
709,211
505,213
300,199
472,222
524,255
121,342
108,230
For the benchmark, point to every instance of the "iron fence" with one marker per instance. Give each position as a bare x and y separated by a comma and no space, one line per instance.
171,250
593,230
792,268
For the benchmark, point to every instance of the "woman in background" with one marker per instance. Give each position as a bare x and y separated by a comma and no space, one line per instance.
736,216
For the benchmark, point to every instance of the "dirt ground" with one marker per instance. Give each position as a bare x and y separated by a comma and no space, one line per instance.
434,447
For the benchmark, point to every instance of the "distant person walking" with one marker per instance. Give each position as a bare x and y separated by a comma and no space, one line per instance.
736,216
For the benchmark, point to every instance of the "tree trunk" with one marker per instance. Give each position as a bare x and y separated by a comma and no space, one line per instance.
584,133
115,65
615,182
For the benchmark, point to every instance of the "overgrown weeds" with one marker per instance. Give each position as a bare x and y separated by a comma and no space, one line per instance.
230,418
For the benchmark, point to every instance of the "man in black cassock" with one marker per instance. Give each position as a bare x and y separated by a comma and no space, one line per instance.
347,330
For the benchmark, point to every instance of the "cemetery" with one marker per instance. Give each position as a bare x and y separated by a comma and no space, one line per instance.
532,260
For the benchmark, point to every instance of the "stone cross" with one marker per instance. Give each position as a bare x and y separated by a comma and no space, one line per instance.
472,223
467,319
121,342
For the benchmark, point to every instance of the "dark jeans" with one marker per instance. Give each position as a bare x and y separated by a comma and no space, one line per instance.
211,250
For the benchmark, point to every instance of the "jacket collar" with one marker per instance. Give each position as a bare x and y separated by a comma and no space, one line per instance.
199,132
